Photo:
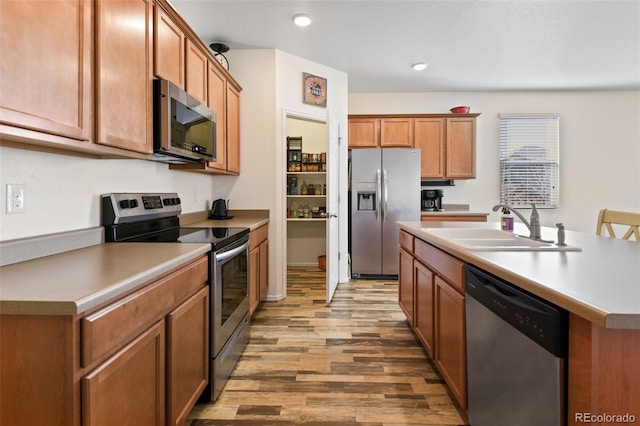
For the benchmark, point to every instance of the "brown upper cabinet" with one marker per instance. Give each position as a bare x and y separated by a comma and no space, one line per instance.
197,69
124,121
206,80
374,132
364,132
43,102
217,86
101,102
224,99
233,128
447,141
460,148
169,48
396,132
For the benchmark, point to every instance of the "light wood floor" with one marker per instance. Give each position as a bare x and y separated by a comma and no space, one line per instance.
354,362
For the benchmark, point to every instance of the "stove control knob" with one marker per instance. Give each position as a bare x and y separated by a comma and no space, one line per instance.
124,204
133,203
176,201
166,201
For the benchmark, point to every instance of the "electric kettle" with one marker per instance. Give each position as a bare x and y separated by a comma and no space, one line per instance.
219,210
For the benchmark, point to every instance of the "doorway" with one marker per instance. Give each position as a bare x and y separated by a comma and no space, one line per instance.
306,191
311,237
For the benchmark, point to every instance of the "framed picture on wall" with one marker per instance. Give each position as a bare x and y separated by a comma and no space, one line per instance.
314,90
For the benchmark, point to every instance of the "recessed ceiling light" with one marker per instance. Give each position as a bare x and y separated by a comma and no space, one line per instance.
301,19
419,66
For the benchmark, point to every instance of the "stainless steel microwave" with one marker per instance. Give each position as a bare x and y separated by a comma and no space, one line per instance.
184,129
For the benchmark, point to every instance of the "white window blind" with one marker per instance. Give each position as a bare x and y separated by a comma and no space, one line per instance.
529,160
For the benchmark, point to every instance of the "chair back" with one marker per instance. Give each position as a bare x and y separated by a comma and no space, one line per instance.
607,218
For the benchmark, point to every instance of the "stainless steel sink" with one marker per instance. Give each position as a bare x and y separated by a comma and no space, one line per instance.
482,239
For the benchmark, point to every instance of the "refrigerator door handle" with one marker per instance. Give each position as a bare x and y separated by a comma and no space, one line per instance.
379,195
384,195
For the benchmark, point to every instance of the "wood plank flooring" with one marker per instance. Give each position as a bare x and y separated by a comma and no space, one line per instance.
355,362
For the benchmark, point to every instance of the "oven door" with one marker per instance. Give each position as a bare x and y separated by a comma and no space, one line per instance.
230,288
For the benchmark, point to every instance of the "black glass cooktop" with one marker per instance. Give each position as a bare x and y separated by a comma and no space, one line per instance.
168,231
218,237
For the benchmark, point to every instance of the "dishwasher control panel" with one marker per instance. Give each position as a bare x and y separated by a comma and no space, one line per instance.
540,320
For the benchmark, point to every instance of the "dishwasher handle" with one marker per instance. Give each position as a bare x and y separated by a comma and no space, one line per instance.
505,294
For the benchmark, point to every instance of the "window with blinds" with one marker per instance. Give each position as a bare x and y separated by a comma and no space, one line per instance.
529,160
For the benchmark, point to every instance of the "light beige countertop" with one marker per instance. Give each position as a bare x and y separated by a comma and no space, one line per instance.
252,219
601,283
79,280
77,272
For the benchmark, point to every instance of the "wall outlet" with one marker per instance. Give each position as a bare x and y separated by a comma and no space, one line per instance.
15,198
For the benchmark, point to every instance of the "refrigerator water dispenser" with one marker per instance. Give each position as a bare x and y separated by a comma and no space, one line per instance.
366,193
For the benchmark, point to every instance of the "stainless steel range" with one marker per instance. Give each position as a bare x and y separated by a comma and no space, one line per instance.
134,217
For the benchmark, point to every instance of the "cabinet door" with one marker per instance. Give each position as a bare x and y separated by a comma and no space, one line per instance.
168,45
450,339
128,388
405,284
425,306
233,129
197,69
218,103
45,76
364,132
461,148
124,81
396,132
264,270
429,138
254,279
188,355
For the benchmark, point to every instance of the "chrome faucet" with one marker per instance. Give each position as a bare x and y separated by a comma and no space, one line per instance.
533,224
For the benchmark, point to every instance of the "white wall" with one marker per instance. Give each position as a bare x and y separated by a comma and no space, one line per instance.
272,89
62,192
599,148
314,134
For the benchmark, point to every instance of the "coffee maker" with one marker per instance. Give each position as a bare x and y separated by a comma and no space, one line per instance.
431,200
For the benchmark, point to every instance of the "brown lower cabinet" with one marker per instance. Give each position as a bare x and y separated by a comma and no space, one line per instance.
258,265
425,304
437,312
108,396
604,373
406,291
450,338
140,360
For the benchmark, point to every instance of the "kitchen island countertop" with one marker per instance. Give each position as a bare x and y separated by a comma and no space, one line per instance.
601,283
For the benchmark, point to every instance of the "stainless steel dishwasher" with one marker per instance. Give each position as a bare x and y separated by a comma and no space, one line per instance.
516,354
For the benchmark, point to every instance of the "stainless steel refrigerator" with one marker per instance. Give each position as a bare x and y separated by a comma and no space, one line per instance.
385,188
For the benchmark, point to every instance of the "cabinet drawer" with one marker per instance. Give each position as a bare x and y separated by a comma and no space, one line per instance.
447,266
108,329
258,235
406,240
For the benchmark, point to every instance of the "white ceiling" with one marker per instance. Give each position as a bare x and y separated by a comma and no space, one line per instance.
470,45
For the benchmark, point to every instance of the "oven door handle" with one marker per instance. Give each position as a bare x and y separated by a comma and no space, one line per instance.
231,253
